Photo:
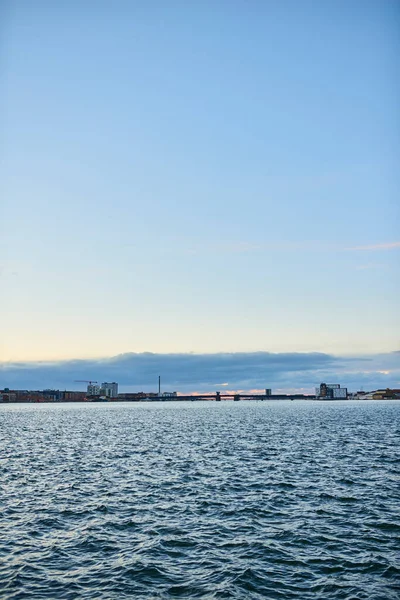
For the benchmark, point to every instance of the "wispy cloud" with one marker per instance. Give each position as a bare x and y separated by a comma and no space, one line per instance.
372,265
243,246
383,246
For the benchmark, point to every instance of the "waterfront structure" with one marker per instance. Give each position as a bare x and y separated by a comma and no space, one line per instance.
7,396
109,390
136,396
331,391
386,394
41,396
323,392
73,396
93,390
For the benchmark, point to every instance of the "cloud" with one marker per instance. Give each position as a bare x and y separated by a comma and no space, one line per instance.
371,266
243,246
208,372
384,246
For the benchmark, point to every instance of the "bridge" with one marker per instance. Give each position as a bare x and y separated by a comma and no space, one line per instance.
218,397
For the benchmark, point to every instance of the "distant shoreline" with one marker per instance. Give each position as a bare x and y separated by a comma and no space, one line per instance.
194,399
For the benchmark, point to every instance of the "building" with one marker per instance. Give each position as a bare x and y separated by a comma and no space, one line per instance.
41,396
73,396
169,395
386,394
110,390
132,396
331,391
7,396
138,396
93,390
51,395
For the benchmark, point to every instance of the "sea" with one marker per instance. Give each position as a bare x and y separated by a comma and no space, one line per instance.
245,500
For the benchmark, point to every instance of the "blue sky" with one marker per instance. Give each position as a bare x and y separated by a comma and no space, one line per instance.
199,177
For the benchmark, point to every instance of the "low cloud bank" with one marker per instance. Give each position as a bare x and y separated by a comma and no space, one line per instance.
209,372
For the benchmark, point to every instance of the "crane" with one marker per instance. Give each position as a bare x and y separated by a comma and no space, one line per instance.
89,381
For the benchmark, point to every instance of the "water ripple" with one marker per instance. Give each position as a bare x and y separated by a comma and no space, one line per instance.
200,500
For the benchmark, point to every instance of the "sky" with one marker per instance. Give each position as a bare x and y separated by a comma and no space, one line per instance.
199,177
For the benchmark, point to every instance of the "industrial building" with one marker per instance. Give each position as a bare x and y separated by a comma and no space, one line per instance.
331,391
386,394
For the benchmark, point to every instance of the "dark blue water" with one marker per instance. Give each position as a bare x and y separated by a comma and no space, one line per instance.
200,500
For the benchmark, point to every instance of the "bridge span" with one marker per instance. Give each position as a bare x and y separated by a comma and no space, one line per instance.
218,397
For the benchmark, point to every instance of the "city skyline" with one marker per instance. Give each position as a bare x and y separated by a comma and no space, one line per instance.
201,373
204,178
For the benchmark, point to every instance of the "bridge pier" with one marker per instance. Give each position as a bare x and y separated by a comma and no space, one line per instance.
218,396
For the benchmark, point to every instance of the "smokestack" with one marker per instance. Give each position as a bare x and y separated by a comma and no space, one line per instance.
159,385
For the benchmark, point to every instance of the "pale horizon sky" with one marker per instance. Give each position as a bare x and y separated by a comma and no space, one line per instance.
199,177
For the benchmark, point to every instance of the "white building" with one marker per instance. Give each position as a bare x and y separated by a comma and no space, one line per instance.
110,390
93,390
